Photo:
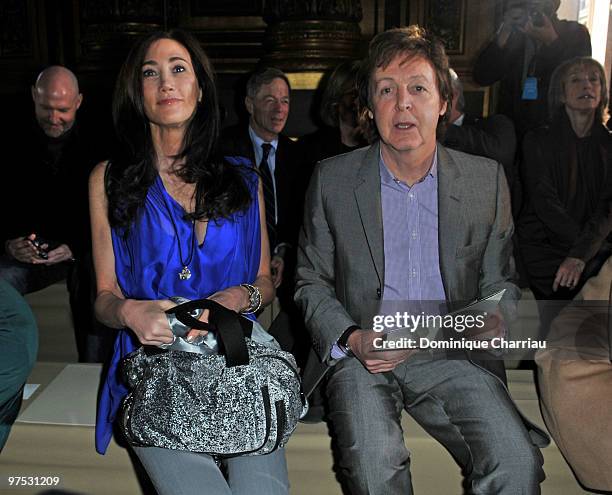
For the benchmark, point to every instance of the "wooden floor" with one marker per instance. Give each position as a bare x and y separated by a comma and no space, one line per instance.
66,396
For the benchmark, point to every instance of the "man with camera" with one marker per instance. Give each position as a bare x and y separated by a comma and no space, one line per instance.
47,164
527,47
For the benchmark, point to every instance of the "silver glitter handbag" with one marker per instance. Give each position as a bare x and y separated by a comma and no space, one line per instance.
244,400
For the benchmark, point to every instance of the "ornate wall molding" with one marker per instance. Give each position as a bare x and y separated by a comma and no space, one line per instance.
15,33
446,18
312,35
107,28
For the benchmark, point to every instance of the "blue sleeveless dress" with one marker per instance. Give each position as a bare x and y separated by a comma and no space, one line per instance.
147,265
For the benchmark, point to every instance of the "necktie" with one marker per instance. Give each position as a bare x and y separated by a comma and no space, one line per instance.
268,191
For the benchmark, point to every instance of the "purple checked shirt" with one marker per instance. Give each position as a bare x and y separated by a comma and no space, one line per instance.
410,226
410,230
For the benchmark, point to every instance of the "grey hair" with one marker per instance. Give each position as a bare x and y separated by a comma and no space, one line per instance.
263,76
457,86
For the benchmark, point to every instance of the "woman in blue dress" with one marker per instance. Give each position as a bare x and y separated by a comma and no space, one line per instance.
170,220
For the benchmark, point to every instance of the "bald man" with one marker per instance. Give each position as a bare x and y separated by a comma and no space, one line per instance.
46,238
56,100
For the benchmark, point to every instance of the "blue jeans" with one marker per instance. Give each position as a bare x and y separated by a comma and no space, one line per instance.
463,407
189,473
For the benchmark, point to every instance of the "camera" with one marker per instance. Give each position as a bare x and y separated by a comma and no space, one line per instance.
518,12
537,18
38,242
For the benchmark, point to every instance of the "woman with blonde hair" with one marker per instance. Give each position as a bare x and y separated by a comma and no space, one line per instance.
567,217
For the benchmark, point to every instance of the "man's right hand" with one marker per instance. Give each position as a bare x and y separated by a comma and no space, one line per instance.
23,250
277,266
375,361
545,32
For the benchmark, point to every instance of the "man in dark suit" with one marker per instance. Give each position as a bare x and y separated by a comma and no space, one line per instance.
51,157
407,221
275,155
493,136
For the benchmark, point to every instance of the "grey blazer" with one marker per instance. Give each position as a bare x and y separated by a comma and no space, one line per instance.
341,257
340,272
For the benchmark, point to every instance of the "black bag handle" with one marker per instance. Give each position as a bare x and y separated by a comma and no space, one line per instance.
230,327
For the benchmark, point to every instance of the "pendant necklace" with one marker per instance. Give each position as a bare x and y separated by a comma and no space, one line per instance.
185,273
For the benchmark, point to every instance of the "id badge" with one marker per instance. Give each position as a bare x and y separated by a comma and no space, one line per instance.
530,89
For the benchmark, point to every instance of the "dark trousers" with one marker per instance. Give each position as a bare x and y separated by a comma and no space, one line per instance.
542,266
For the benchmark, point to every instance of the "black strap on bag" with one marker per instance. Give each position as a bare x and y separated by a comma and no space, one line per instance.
230,327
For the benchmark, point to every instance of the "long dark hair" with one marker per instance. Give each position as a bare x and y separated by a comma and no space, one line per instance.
220,187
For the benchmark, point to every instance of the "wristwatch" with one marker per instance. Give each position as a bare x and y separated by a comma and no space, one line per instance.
254,300
343,340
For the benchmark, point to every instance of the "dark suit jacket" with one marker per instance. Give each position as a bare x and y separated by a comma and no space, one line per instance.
235,141
567,211
492,137
46,180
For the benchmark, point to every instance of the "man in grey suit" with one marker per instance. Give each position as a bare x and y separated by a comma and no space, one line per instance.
408,220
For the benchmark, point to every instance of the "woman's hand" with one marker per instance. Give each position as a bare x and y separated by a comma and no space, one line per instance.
568,273
234,298
147,319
